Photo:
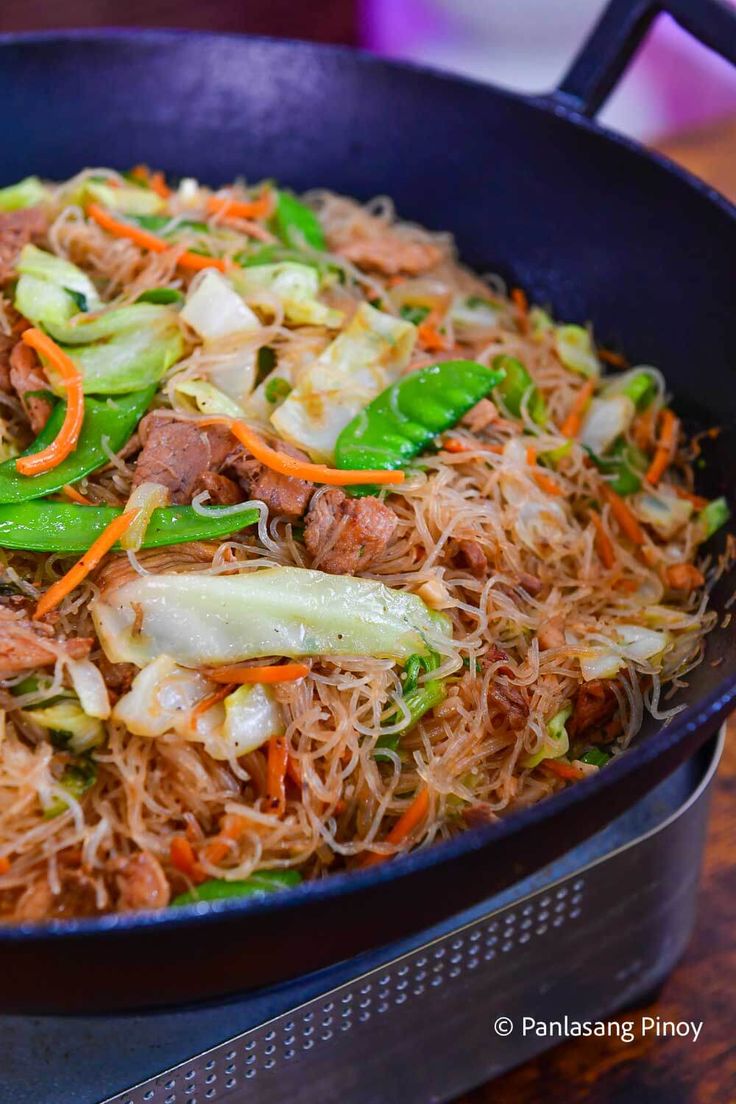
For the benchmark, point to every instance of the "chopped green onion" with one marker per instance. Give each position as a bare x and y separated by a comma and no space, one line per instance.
595,757
164,296
277,389
713,516
76,780
418,702
414,313
575,349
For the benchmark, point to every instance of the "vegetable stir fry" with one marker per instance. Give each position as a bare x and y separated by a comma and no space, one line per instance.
315,546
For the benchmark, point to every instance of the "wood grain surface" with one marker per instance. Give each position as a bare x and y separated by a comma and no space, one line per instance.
703,987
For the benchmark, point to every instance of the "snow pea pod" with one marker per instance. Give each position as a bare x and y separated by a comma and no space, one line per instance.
296,223
217,889
44,526
111,421
408,415
517,384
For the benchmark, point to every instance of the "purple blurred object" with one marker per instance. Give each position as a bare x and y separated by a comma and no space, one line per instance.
673,83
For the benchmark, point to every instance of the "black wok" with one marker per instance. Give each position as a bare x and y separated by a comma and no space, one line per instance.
531,188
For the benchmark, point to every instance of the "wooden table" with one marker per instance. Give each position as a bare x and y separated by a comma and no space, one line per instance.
703,987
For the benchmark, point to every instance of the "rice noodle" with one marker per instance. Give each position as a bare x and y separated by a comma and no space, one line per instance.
543,572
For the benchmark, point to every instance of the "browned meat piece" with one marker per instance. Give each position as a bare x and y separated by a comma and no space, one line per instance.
25,644
177,453
469,555
391,254
142,884
344,534
7,341
479,816
594,706
480,416
17,228
283,494
552,633
118,676
222,491
508,703
27,376
530,583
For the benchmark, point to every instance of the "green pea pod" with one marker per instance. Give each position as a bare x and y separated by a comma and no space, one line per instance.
295,223
625,466
43,526
161,296
406,417
418,702
112,421
217,889
516,385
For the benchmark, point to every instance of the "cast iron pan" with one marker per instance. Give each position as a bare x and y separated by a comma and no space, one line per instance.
531,188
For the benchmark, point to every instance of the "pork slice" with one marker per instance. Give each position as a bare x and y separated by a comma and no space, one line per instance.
282,494
346,535
28,378
222,491
594,706
25,645
469,555
508,703
177,453
391,254
17,228
142,884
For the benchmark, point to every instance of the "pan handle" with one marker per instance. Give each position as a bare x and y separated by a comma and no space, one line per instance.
619,32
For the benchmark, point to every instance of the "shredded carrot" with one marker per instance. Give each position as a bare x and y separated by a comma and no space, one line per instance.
665,447
626,586
147,240
75,495
623,515
66,439
232,829
277,672
183,858
294,771
520,301
301,469
603,543
259,208
615,359
158,184
205,704
404,826
430,337
278,763
697,500
563,770
531,454
642,428
4,864
94,554
546,484
141,173
455,444
574,420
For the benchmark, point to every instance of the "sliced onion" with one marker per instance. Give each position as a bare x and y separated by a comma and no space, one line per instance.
665,511
145,498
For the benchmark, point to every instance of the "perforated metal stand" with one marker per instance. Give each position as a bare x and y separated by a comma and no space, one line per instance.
585,937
